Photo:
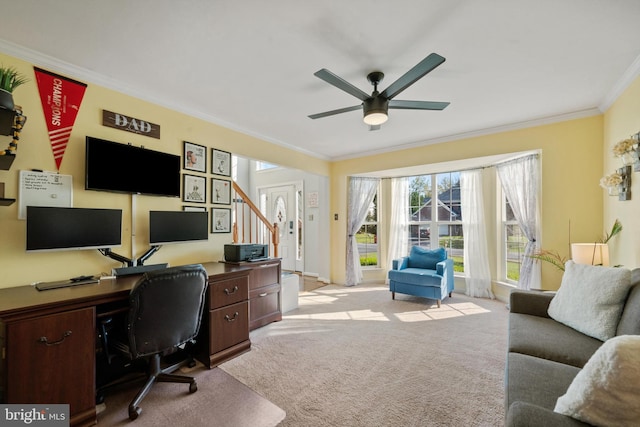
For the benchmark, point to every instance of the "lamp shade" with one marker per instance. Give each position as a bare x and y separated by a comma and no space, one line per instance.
590,253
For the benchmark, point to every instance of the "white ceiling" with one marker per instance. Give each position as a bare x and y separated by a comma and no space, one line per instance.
249,64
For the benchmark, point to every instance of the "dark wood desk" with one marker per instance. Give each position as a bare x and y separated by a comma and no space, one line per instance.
48,338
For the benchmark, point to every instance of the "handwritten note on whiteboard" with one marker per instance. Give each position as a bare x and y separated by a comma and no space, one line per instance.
44,189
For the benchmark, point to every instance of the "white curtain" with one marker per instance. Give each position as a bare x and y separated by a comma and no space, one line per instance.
520,180
399,221
476,255
361,194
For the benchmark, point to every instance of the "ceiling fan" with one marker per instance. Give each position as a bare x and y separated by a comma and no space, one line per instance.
376,105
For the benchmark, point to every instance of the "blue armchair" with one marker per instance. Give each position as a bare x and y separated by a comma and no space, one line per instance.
424,273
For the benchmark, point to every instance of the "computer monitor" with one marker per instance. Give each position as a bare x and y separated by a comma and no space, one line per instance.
177,226
58,228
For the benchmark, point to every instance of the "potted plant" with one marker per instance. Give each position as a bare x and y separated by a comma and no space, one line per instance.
10,79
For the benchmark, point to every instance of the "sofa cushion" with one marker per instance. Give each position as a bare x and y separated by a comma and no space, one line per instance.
536,381
544,337
630,320
522,414
416,276
591,299
424,258
606,391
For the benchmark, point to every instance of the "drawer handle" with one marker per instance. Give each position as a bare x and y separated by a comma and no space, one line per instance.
263,294
268,265
231,319
228,292
46,342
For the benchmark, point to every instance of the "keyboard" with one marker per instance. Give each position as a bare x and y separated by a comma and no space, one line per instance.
44,286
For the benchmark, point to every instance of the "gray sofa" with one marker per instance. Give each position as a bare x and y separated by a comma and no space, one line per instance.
544,356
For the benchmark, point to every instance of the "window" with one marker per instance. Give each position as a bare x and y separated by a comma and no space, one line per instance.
367,237
438,212
262,166
514,242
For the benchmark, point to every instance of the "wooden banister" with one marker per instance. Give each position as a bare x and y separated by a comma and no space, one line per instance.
274,231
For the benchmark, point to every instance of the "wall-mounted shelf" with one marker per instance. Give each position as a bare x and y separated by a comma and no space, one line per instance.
3,200
6,161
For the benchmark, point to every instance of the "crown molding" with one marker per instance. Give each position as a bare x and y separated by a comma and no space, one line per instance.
482,132
78,73
621,85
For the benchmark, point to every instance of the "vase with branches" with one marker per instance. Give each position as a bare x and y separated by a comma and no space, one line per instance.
557,260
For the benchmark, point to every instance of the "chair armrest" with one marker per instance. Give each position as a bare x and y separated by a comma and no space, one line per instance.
522,414
442,266
530,302
400,263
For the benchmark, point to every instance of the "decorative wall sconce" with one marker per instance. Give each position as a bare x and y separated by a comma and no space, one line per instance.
625,185
618,183
629,151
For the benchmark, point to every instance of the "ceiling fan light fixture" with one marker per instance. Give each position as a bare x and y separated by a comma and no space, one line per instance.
375,110
373,118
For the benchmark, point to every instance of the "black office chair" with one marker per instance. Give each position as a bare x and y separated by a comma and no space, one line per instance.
165,308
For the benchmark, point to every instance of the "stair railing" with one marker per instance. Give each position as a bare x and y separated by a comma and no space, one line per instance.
264,232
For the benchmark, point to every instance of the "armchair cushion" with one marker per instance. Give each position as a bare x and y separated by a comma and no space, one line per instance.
425,258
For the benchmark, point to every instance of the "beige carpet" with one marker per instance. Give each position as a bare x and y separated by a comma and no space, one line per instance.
354,357
220,401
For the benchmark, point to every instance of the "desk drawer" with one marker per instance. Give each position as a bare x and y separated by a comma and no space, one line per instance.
230,291
263,274
228,326
51,359
265,306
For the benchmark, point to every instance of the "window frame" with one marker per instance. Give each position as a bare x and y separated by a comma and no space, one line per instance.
433,224
376,224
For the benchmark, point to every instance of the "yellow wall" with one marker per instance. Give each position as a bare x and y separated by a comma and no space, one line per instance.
572,164
571,170
34,152
621,121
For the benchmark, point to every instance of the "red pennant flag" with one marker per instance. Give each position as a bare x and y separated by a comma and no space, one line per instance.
61,98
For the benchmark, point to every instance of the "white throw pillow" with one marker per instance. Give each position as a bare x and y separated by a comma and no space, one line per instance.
591,299
606,392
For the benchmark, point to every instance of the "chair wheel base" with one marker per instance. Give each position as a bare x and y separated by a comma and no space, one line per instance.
134,413
193,387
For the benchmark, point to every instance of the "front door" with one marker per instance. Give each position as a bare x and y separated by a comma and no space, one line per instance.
279,208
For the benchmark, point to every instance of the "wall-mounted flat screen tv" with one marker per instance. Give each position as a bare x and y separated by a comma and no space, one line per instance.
177,226
123,168
56,228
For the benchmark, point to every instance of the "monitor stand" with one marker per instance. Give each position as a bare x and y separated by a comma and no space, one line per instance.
138,269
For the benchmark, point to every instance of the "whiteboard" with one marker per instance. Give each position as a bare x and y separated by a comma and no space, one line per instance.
44,189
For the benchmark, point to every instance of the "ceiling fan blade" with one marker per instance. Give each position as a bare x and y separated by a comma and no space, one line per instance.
333,112
341,83
413,75
417,105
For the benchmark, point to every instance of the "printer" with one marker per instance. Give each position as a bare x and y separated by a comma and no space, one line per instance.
238,252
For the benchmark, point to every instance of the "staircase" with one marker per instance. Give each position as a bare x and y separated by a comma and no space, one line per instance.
250,225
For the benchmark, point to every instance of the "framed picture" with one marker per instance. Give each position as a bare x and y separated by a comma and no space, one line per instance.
194,189
220,162
194,157
220,191
220,220
194,208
